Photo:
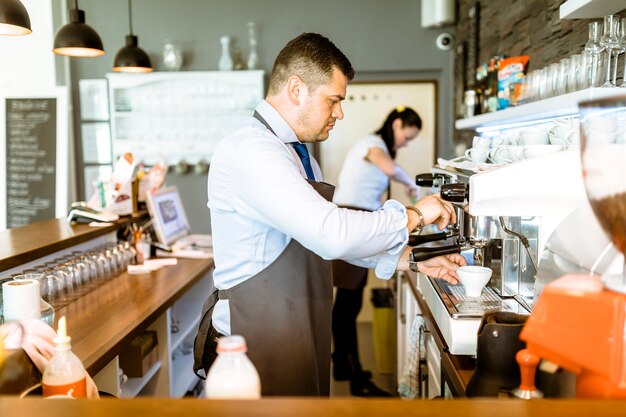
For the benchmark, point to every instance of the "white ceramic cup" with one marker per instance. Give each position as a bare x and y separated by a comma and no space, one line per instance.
506,154
533,137
528,152
478,155
559,135
474,278
481,143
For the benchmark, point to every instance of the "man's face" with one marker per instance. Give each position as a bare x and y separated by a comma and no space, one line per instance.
321,108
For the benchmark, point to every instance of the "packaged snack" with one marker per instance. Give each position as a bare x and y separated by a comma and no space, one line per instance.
510,78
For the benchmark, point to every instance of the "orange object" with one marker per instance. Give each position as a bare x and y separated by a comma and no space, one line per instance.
580,326
528,362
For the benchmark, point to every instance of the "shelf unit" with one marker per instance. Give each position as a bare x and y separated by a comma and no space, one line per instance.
172,375
550,108
133,386
589,9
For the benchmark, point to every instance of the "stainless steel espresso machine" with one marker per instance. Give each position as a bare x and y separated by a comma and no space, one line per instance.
504,217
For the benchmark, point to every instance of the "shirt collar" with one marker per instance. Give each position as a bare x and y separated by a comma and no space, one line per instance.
282,130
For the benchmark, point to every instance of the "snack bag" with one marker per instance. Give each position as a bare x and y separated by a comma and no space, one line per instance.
510,79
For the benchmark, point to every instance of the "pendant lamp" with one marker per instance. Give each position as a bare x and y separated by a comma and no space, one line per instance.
14,19
77,38
131,58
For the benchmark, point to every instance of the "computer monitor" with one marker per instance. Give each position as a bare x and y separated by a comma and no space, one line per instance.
168,215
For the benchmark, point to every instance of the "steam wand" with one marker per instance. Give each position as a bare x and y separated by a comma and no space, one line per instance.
522,239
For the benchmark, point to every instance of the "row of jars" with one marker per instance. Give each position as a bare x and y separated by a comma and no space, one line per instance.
66,278
595,66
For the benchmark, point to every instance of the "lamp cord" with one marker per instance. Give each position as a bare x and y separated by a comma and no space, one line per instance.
130,16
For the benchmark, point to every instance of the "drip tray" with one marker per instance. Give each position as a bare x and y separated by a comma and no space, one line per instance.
460,306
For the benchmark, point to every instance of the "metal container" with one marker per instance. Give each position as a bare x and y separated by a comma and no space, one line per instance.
481,230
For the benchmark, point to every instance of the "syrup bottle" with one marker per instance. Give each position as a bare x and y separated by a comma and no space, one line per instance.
64,375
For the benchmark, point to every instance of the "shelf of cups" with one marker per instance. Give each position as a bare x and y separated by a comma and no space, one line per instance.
549,108
589,9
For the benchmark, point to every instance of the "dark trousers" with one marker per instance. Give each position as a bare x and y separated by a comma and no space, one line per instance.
347,306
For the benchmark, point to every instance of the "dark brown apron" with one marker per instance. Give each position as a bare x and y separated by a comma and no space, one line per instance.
284,313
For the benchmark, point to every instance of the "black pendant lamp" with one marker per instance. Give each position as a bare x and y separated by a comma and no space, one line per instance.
14,19
77,38
131,58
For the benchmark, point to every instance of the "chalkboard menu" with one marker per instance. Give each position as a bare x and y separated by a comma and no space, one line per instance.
31,139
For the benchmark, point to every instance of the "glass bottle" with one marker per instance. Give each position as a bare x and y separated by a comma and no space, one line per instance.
64,375
226,62
609,41
232,375
253,58
594,48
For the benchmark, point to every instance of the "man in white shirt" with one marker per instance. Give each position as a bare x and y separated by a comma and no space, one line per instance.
275,228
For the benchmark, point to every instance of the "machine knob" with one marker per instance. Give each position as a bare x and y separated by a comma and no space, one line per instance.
455,193
528,362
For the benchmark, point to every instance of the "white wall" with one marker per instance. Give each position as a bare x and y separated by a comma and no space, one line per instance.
28,61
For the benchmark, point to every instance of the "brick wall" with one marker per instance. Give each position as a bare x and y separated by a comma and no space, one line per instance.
515,27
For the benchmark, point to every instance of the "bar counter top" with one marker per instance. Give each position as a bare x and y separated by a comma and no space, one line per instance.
110,316
304,407
28,243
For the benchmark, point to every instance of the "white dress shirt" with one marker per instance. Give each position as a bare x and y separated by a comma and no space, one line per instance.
259,200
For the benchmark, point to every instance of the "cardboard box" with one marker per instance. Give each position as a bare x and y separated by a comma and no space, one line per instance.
139,356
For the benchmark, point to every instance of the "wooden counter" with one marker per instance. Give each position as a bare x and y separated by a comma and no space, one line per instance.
10,406
31,242
107,318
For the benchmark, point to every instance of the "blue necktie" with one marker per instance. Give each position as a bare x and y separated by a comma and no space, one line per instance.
303,153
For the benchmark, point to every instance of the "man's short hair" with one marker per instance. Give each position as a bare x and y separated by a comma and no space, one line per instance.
312,57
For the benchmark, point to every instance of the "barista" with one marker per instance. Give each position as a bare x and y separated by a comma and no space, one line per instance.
274,227
364,178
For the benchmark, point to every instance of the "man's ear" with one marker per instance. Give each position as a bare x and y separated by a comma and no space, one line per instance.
295,89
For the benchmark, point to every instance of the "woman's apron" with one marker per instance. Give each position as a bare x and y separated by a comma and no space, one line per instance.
284,313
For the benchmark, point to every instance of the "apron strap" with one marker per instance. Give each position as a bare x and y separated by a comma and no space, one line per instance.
203,332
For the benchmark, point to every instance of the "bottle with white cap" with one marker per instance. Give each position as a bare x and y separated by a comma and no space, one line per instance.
64,375
232,375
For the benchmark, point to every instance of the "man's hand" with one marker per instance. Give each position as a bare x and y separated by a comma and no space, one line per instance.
443,267
436,210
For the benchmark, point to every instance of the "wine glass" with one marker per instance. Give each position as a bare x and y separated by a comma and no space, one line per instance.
622,37
620,34
609,41
593,48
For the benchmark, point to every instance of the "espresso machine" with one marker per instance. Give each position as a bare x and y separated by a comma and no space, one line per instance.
504,218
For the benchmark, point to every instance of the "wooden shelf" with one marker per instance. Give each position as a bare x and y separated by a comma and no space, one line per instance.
589,9
553,107
133,386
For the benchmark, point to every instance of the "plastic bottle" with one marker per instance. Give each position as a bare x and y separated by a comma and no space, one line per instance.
64,375
232,375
